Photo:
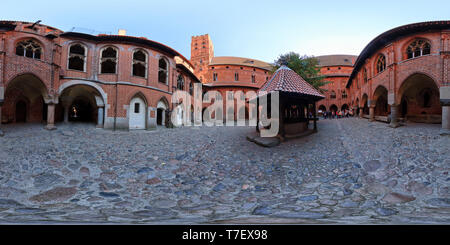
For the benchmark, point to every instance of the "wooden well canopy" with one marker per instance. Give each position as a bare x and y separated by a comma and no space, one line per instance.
297,102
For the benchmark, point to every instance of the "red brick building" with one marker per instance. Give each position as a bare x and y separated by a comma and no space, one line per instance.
336,70
115,81
404,73
226,73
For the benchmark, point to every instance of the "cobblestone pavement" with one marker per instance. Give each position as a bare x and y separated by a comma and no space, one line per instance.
352,172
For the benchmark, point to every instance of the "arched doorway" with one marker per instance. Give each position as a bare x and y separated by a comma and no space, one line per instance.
357,106
344,107
322,108
24,100
419,99
80,103
365,106
381,102
21,111
333,108
161,108
137,112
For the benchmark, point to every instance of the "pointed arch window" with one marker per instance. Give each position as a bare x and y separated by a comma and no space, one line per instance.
140,64
77,57
191,88
344,94
180,82
365,75
29,48
381,63
418,48
108,61
332,94
163,71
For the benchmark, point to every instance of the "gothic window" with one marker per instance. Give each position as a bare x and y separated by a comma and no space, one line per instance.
332,94
180,82
253,79
381,63
29,48
236,76
365,75
108,60
214,76
191,88
344,94
77,57
418,48
163,74
140,64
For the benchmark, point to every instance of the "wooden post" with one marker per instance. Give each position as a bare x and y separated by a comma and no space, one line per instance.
257,115
281,118
315,118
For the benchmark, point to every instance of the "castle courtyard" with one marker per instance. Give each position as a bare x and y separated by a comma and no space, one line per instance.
351,172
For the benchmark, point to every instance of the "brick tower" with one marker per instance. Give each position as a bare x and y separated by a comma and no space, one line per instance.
202,51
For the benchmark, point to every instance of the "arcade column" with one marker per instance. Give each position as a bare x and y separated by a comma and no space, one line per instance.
1,132
50,116
371,110
445,102
100,117
394,111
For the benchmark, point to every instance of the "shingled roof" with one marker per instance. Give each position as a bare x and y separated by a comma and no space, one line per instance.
287,80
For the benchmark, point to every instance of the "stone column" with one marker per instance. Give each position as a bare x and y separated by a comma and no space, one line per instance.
50,117
394,117
445,102
1,132
66,114
100,116
372,113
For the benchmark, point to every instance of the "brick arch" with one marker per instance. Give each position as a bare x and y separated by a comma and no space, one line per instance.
415,72
164,100
72,83
137,93
44,89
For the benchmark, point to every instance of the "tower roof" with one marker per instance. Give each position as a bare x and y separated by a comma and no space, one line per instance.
287,80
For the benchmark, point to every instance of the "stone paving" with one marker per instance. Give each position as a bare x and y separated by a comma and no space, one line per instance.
351,172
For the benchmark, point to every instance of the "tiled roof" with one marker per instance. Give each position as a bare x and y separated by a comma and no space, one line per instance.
230,60
287,80
336,60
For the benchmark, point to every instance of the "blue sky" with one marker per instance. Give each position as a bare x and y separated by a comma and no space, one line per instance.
256,29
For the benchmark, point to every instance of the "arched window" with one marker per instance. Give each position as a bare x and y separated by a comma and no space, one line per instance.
29,48
163,74
365,75
253,79
236,76
77,57
139,63
191,88
180,82
381,63
418,48
332,94
344,94
108,61
214,76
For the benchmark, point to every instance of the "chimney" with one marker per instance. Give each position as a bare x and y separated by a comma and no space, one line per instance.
122,32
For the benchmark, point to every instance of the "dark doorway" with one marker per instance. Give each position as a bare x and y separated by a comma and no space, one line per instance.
21,111
81,111
159,115
44,111
404,107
